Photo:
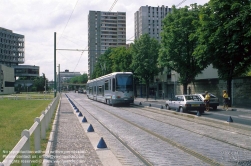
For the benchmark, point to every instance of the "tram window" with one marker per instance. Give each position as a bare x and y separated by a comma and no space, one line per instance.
90,90
109,88
124,83
113,84
94,90
100,90
106,85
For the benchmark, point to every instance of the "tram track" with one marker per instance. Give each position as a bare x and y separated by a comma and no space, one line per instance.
197,121
238,128
169,141
165,139
140,157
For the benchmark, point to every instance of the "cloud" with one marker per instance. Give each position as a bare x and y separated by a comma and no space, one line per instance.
38,20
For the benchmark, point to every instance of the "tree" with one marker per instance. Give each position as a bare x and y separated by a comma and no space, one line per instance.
224,37
79,79
103,65
144,59
40,82
121,59
178,43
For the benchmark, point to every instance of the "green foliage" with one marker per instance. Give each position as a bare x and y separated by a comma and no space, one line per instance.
116,59
144,58
225,36
79,79
39,83
121,59
178,43
249,73
103,65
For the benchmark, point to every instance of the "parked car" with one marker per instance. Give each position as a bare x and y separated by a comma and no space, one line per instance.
214,101
80,91
186,103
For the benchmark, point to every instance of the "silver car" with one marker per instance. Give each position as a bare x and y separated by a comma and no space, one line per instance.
186,103
214,101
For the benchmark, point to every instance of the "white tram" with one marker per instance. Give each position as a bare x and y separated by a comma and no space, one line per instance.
114,88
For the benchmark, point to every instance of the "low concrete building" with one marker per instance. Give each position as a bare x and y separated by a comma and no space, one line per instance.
28,71
7,80
63,77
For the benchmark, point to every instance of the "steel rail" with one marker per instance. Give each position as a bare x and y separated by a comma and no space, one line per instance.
206,135
138,155
171,142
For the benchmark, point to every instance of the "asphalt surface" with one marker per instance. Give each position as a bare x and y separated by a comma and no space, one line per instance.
73,145
238,115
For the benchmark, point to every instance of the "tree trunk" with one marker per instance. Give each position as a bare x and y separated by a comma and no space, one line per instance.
185,88
147,91
229,91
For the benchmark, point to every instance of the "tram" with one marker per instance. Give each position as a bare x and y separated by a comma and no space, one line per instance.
112,89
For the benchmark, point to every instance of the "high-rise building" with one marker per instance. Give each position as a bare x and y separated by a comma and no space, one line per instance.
105,29
149,20
11,48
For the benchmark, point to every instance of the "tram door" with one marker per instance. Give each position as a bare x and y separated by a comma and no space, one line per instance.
113,84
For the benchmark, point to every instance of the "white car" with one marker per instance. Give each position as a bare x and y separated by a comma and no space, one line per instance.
186,103
214,101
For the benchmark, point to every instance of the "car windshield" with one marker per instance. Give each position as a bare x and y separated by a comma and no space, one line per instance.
124,83
211,95
193,97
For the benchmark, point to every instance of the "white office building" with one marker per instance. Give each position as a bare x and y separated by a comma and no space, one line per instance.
105,29
149,20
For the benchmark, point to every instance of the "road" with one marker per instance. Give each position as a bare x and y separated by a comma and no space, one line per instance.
239,115
153,136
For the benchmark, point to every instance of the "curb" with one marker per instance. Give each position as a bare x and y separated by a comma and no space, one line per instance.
105,155
46,158
246,127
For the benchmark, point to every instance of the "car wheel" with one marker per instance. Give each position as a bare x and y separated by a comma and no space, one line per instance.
215,108
181,110
167,107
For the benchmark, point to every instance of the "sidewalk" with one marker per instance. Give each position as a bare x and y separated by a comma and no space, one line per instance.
70,144
162,102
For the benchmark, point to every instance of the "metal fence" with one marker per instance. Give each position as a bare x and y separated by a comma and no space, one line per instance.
38,130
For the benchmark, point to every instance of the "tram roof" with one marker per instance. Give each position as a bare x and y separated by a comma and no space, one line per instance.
108,75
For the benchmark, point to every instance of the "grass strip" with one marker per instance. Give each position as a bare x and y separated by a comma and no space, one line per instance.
15,116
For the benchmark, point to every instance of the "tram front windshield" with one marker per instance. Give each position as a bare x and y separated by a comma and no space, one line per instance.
124,83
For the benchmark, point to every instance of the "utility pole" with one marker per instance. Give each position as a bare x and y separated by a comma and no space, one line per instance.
45,85
55,72
59,80
55,75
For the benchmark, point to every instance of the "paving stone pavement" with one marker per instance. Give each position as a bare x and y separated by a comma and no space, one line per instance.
71,146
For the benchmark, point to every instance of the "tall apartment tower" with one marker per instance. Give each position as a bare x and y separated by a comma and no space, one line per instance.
149,20
105,29
11,48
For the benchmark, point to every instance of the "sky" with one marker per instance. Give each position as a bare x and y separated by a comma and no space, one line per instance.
37,20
